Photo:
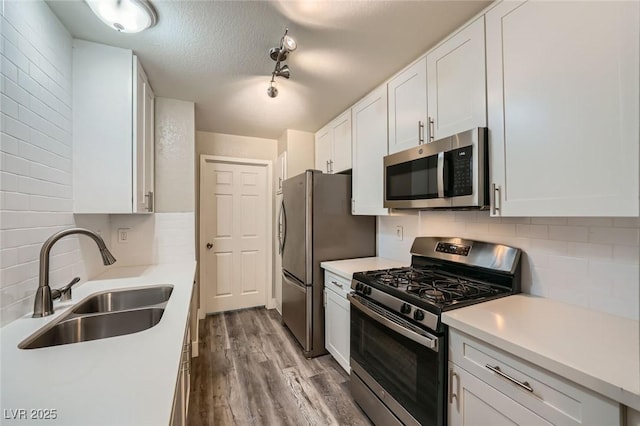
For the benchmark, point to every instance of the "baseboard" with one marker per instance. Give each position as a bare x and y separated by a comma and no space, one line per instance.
271,304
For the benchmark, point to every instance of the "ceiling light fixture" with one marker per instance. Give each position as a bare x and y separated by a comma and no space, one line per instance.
280,54
126,16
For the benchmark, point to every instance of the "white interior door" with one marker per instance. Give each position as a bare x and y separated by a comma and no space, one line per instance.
234,244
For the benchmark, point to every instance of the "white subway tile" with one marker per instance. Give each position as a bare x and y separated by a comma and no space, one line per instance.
465,216
8,106
550,247
14,54
14,91
15,128
571,272
477,228
618,236
549,221
8,181
29,253
9,144
8,68
44,157
29,84
590,250
626,308
590,221
8,257
14,200
502,229
14,164
532,231
568,233
516,220
627,254
484,216
14,293
626,222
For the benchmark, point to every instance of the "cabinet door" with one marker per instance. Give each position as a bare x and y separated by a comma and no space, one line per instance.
563,103
102,128
341,129
143,141
408,107
324,144
473,402
369,147
337,327
457,83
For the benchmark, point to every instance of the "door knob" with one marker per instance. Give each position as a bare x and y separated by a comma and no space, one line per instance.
209,245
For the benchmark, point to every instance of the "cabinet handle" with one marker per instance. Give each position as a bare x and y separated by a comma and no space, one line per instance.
336,284
431,129
279,183
452,395
496,198
523,385
327,163
420,132
353,206
149,203
331,165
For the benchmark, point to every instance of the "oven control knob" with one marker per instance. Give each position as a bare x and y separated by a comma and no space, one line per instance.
367,290
359,286
418,315
405,308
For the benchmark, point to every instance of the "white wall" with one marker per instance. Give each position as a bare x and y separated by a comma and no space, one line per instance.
35,150
590,262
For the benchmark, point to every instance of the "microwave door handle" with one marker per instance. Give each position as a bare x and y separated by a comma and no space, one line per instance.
440,173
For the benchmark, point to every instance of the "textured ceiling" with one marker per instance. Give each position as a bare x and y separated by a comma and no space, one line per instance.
215,53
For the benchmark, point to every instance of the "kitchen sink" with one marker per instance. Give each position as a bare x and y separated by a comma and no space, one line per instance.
75,329
122,300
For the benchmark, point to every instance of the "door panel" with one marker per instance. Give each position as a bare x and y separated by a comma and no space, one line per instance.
234,243
296,301
294,256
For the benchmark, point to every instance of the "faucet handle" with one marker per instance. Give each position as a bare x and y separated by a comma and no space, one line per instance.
64,293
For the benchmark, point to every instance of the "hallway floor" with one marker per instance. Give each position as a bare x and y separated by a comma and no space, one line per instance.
251,371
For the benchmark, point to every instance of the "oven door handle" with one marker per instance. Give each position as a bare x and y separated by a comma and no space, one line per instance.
429,341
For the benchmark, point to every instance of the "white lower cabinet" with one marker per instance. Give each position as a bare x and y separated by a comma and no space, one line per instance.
183,385
488,386
337,313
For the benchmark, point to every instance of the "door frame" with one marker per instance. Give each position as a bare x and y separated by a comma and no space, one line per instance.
270,301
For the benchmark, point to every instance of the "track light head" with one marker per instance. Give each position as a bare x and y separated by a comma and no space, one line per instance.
283,72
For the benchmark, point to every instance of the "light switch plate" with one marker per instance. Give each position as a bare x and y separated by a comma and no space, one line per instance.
399,232
123,235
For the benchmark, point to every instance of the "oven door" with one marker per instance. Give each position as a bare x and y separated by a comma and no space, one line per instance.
399,363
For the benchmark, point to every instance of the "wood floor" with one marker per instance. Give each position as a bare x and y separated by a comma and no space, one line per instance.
250,371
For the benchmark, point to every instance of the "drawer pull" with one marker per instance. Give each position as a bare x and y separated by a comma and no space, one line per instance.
523,385
335,283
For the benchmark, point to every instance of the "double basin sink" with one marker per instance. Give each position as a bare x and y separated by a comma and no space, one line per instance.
105,314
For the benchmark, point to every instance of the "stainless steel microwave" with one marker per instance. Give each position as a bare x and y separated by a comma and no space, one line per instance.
452,172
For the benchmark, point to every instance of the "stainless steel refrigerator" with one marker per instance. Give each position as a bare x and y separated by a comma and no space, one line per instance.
316,225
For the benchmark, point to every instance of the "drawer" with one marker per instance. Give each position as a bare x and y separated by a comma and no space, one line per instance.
336,283
557,400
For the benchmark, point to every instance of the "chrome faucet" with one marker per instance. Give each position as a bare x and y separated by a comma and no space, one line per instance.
43,304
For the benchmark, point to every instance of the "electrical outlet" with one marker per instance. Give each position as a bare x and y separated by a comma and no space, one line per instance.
123,235
399,233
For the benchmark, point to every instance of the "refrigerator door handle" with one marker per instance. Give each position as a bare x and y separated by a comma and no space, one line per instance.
282,223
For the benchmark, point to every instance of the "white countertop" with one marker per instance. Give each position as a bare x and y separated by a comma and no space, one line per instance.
346,268
596,350
124,380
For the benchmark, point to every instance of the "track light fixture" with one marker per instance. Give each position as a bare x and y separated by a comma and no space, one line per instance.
280,54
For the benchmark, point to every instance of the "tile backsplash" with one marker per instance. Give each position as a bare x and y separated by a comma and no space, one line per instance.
590,262
35,149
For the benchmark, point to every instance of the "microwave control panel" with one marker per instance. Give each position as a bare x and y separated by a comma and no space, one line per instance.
461,171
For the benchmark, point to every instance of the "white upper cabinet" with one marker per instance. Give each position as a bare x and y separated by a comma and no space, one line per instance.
333,145
441,94
563,108
113,122
456,82
369,149
408,107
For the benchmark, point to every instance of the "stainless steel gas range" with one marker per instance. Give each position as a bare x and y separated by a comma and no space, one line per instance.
398,342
